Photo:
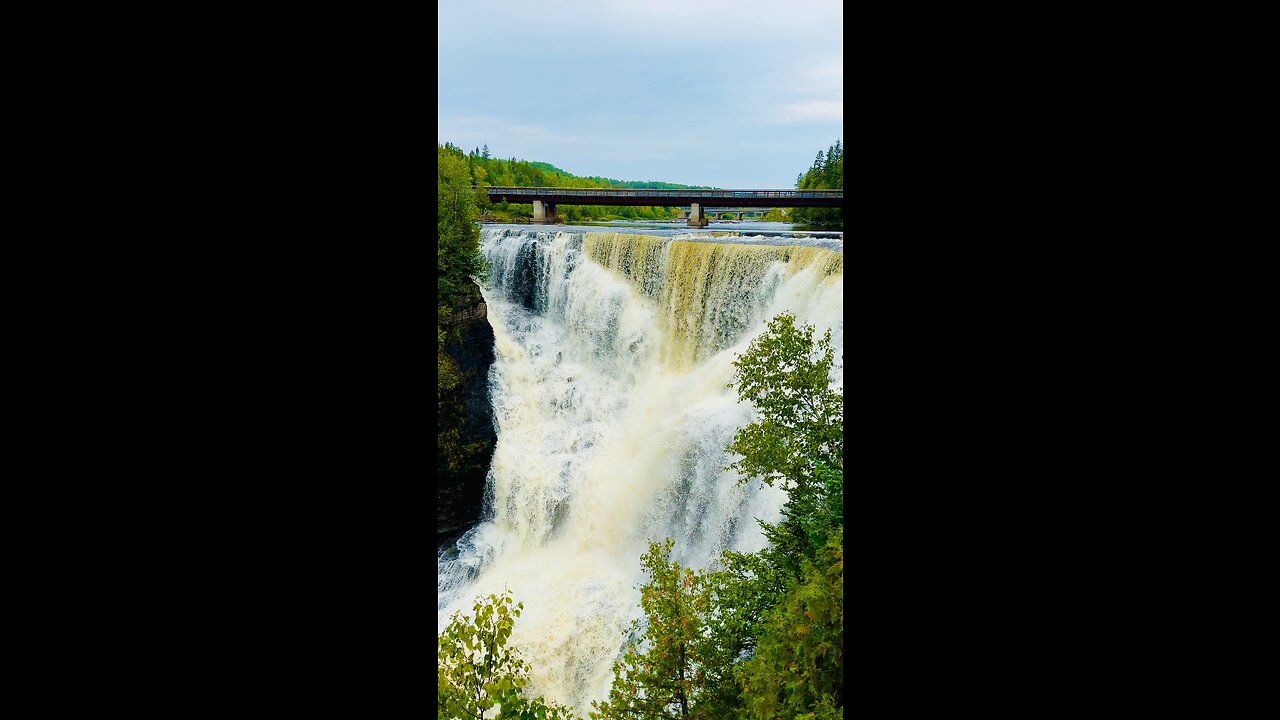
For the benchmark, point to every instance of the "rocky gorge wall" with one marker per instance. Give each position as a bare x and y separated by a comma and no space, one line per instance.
460,493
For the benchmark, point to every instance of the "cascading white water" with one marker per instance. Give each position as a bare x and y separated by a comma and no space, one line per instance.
609,387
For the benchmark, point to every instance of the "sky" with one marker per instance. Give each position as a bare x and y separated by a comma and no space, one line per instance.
734,94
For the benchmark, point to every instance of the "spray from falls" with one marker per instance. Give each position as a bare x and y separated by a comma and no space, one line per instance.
613,356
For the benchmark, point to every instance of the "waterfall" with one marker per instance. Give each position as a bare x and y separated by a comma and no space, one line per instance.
609,387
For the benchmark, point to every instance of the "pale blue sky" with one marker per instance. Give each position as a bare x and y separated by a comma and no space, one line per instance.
703,92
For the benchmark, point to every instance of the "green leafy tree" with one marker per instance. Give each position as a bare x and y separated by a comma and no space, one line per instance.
478,676
798,439
458,256
665,679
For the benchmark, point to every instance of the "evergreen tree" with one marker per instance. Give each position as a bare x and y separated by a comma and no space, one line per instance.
664,680
798,665
827,173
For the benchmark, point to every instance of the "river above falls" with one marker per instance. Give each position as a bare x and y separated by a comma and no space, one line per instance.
745,232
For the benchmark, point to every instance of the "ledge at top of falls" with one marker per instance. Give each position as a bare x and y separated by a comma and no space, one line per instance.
831,240
705,291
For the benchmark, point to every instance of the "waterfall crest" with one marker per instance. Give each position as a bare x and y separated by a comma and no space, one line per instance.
707,293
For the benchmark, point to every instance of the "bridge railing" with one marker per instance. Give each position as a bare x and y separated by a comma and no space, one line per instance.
657,192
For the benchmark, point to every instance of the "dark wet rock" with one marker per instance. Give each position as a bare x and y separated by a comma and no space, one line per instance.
460,495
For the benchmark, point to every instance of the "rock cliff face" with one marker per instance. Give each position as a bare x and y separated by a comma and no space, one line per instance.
460,495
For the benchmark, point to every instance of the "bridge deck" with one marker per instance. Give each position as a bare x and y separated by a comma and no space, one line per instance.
669,198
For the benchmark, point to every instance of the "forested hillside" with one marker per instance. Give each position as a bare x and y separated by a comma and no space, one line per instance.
826,173
610,182
487,171
484,171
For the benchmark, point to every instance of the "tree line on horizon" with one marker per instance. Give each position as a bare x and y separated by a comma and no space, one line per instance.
826,173
486,171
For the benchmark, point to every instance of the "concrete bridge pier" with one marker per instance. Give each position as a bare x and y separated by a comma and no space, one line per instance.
739,217
697,218
544,213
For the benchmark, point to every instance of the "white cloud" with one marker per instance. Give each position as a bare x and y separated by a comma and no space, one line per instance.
696,21
810,111
484,128
824,78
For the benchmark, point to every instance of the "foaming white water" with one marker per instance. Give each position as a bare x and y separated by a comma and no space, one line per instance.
613,355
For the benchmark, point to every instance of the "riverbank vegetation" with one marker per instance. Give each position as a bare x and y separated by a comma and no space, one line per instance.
484,171
458,264
759,636
826,173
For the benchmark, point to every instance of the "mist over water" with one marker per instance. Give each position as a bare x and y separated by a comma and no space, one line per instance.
613,355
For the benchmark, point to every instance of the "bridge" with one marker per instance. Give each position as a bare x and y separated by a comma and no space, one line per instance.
739,213
545,199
